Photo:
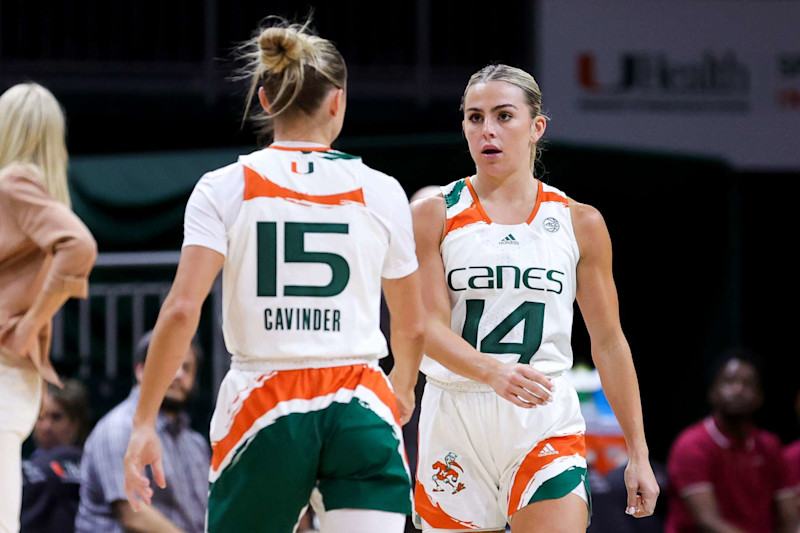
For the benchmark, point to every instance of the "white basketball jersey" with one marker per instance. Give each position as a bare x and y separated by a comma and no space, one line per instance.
511,286
309,233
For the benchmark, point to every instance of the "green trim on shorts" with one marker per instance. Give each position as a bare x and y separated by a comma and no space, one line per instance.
346,450
562,484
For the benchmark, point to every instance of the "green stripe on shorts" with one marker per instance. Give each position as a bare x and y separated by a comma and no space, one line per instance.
561,485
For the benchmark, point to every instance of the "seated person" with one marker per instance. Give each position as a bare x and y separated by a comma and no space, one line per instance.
51,477
792,456
726,474
181,506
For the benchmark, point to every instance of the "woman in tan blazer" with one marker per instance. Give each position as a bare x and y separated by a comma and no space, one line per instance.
46,254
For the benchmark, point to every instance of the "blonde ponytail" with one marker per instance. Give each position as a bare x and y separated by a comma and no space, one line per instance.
295,67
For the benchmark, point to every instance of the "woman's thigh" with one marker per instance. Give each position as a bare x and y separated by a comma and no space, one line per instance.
569,514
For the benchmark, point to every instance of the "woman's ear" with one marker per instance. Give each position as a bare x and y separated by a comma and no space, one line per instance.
537,128
262,98
337,102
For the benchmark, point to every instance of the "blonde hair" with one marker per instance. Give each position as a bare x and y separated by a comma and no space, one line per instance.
32,132
295,67
514,76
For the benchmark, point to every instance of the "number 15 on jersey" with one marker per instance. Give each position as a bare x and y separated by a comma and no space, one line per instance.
295,252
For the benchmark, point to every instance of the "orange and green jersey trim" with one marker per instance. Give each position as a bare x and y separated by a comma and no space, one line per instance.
299,148
474,213
258,186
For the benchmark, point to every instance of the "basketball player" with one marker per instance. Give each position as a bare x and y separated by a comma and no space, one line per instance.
503,257
305,235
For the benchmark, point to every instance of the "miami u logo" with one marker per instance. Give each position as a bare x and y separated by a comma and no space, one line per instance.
310,168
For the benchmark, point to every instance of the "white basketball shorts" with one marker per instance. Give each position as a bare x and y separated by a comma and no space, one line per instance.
482,458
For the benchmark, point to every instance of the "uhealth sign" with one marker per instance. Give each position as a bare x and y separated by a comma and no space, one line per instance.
710,77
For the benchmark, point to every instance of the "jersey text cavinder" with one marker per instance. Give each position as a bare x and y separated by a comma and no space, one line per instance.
305,319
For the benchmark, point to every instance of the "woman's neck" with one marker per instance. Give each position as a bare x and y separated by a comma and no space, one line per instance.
303,131
508,199
510,187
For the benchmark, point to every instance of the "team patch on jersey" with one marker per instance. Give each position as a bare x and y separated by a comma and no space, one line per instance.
551,224
310,168
447,473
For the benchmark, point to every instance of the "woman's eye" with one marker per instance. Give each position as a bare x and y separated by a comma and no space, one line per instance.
474,117
505,116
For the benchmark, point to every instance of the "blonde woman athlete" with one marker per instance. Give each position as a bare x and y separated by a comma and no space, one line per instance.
306,236
503,257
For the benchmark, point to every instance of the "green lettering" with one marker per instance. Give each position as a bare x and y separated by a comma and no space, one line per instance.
471,321
266,258
550,274
532,313
500,275
295,252
488,276
529,275
450,279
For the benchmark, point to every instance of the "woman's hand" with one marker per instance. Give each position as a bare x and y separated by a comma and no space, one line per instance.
406,399
21,339
521,385
642,488
144,448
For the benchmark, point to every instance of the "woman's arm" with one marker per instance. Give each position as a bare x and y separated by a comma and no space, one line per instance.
403,298
57,232
176,325
514,382
597,297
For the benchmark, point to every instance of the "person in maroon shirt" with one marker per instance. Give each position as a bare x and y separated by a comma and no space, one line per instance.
792,456
726,475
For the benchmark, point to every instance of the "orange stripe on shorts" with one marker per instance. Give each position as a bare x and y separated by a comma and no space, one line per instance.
435,515
533,463
303,384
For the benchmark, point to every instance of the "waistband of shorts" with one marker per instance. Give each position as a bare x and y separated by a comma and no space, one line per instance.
472,386
251,364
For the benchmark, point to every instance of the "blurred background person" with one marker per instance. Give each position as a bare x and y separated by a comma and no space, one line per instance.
181,506
46,254
792,456
726,474
51,477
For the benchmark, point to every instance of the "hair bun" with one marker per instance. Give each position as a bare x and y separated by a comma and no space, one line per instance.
280,47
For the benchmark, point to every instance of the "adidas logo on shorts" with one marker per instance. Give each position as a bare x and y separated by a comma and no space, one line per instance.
548,450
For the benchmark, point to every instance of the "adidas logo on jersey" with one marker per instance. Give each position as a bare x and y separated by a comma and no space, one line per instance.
548,450
509,240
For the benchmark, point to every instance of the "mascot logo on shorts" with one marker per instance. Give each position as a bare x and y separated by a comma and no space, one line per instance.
447,473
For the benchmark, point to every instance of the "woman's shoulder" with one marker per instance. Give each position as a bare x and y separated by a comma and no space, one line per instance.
586,217
20,175
430,215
